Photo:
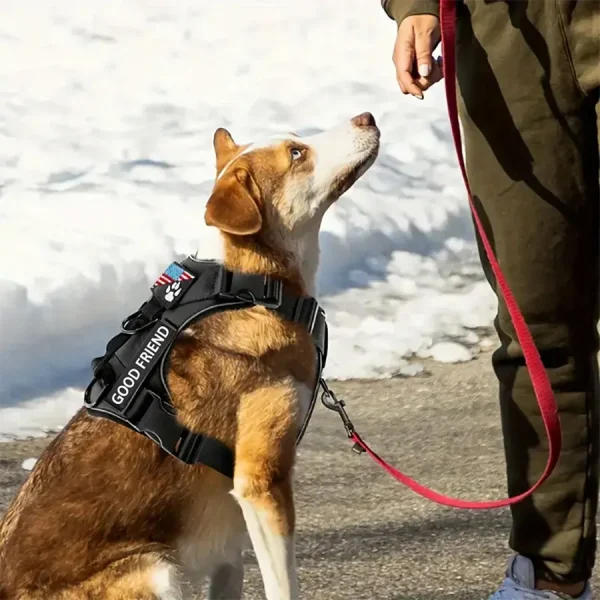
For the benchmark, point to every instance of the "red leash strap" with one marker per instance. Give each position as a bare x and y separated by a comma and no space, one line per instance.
537,372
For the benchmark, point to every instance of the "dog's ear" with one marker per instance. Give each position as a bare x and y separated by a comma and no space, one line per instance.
225,147
234,204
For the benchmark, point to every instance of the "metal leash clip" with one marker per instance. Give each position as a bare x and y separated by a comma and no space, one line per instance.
332,402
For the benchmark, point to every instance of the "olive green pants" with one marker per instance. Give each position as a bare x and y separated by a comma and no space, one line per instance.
529,80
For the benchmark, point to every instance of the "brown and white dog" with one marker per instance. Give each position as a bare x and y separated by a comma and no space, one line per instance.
106,514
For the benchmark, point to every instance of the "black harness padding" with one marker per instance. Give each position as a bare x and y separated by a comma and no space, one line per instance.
129,385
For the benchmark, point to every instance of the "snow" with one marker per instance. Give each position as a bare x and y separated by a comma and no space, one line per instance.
28,464
107,112
450,352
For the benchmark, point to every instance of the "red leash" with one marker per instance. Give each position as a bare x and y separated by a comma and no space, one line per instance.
537,372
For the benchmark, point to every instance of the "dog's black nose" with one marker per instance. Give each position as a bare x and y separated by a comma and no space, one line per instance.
364,120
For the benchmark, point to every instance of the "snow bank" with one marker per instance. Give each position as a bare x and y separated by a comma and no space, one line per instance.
107,114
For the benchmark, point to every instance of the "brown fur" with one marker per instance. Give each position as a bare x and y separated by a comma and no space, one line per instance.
104,502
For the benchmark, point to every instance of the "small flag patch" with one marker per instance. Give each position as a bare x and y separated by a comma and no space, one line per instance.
174,272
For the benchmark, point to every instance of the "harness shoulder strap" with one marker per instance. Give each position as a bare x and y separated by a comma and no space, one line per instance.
257,290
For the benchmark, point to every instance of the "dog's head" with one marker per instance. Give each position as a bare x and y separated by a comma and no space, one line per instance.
269,198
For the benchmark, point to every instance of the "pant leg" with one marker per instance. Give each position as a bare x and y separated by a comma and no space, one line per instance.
529,119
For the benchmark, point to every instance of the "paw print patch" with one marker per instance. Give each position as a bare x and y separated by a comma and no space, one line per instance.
173,290
172,285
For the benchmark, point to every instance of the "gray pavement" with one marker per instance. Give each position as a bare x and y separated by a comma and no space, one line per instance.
360,534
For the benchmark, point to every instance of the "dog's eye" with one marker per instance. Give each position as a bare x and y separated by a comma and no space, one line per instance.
295,153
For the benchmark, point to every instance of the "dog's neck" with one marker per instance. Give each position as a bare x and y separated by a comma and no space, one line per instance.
307,253
296,268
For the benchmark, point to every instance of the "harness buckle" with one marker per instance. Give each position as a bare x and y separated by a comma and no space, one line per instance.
247,289
188,446
332,402
273,294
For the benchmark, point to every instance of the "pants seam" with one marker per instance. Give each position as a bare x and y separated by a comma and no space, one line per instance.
567,48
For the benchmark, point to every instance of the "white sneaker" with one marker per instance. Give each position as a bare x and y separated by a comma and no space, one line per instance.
520,581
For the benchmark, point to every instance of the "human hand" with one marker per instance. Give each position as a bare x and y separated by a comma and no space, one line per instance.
416,69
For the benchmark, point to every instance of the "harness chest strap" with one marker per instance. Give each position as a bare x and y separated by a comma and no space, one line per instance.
129,385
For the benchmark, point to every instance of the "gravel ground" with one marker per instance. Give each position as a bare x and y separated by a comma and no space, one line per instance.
360,534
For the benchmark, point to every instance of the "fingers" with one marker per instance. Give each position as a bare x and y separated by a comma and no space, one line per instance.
404,59
423,50
436,74
416,69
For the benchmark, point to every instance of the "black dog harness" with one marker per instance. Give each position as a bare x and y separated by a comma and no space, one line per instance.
129,385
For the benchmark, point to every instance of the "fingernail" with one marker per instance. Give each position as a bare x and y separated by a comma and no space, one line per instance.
424,70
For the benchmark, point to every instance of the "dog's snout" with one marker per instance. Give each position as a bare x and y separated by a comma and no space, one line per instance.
366,119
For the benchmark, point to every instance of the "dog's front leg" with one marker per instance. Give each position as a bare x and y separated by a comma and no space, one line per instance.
262,485
226,581
268,520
